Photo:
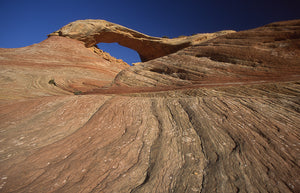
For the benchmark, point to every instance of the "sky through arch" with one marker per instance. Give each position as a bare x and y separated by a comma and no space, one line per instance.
120,52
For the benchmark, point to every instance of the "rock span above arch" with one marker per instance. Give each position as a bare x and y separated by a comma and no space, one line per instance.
92,32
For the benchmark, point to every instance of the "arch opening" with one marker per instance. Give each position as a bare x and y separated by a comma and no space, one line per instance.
120,52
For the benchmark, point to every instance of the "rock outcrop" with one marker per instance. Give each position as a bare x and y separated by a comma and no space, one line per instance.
92,32
218,116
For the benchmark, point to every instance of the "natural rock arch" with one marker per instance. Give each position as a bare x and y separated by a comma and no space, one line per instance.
92,32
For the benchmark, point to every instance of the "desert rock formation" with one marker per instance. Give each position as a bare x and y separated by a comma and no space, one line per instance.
220,115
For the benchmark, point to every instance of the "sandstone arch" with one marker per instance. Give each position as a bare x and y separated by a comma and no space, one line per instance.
92,32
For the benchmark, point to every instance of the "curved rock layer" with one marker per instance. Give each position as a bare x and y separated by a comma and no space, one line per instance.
239,132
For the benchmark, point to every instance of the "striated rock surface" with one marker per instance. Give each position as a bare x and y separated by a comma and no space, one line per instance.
219,116
92,32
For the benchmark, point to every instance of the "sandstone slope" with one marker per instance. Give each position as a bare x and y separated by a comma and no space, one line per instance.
221,115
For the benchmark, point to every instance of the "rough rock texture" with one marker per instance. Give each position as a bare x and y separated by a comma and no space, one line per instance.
221,116
92,32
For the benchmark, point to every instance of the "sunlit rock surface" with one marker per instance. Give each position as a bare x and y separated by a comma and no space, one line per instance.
218,116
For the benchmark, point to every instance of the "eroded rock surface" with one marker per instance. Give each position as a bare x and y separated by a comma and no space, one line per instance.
221,116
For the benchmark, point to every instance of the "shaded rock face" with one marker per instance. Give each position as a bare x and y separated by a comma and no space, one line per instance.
218,116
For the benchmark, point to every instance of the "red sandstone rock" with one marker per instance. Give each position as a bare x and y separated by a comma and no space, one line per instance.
218,116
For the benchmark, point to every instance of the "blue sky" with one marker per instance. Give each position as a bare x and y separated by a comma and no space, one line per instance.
25,22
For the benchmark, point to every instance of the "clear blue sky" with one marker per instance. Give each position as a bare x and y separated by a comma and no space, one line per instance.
25,22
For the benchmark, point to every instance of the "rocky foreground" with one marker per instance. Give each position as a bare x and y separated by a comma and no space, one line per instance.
208,113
